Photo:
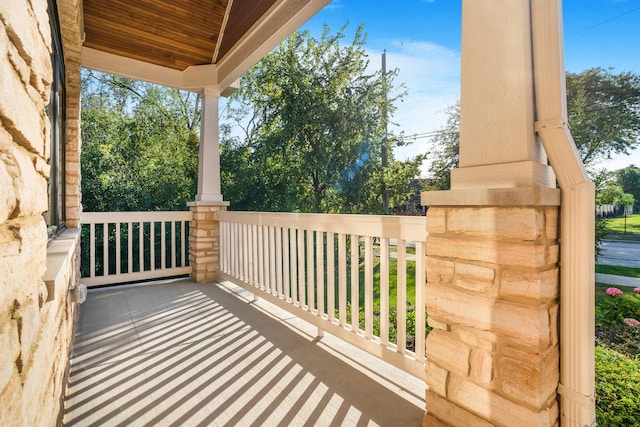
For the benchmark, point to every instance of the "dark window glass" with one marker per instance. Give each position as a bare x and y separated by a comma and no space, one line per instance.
55,215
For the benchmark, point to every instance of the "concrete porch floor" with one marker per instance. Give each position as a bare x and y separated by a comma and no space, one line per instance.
177,353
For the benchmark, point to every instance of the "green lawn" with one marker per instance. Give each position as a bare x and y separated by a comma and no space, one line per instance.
616,225
618,270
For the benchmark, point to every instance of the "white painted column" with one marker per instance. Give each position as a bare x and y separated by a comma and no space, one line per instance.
209,153
498,146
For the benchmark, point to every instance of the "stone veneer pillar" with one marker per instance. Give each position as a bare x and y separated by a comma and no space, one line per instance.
204,240
492,299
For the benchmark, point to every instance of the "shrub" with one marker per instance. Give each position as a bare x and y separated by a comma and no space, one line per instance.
615,306
617,389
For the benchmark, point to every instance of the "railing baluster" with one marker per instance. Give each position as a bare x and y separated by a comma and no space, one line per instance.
245,252
293,265
286,266
163,245
141,245
384,291
342,278
320,279
368,286
402,296
183,244
273,287
129,247
173,244
311,297
331,278
92,250
278,243
105,249
301,295
118,251
355,279
420,303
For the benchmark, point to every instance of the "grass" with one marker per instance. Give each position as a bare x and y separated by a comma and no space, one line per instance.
618,270
617,225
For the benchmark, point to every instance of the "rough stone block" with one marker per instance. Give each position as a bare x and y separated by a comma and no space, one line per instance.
476,338
495,408
446,351
436,221
551,223
529,377
10,345
436,324
437,378
8,200
505,222
529,284
441,409
489,251
527,324
474,277
21,115
481,366
439,270
10,402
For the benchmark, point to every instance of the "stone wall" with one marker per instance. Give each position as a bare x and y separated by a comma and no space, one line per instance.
36,321
492,299
204,240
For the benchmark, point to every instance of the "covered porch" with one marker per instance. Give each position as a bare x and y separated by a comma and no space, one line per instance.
176,352
491,283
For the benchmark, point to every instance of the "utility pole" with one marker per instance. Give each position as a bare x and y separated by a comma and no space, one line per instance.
383,142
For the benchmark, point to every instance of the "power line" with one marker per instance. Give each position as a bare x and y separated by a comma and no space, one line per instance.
606,21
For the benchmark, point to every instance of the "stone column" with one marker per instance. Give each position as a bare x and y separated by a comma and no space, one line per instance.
204,233
492,249
204,240
492,299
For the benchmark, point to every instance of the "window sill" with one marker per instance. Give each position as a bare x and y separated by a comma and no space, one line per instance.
60,253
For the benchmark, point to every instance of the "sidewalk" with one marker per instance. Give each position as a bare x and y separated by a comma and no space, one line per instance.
611,279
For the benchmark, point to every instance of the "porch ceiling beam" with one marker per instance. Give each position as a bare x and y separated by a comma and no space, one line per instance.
192,79
285,17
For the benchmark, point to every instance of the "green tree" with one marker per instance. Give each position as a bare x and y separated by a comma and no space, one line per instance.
604,112
446,151
139,145
629,179
312,120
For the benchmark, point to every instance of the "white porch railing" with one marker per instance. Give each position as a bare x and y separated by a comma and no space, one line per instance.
120,247
338,272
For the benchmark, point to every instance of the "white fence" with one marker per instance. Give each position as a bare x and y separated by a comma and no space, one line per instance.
120,247
338,272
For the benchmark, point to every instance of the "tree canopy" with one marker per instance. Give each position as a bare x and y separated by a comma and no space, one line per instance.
313,129
604,112
139,145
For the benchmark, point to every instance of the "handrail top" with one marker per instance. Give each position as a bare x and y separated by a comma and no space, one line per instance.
113,217
386,226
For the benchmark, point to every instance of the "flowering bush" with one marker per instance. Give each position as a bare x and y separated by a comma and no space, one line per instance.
614,291
618,306
632,321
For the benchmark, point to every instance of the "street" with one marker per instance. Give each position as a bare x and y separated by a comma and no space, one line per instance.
620,253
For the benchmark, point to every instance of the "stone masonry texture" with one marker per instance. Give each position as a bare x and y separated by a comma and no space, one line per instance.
492,297
35,327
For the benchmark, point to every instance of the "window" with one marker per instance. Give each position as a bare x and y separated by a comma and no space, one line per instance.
55,216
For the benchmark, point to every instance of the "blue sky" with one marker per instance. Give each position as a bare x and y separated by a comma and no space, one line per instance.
422,39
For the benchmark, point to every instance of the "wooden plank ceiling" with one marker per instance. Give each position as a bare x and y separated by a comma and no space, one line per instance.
170,33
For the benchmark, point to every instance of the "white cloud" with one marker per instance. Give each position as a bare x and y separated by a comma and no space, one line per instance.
431,74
